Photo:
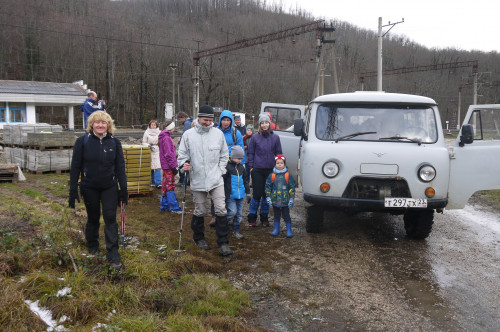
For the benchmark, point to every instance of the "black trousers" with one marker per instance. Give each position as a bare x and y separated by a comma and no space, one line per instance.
282,211
259,177
221,229
94,199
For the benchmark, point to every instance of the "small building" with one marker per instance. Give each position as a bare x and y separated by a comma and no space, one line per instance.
19,99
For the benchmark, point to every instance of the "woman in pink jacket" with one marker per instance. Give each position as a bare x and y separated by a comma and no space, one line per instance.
168,160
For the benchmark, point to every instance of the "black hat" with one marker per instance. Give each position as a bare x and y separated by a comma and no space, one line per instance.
206,111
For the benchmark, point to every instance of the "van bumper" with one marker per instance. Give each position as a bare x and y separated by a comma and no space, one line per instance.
363,204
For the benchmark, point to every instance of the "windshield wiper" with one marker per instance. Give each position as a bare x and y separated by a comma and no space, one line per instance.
341,138
414,140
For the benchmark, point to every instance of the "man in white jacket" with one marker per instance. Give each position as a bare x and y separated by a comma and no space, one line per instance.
203,152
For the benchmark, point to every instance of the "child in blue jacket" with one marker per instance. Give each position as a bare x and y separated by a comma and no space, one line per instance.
280,194
236,188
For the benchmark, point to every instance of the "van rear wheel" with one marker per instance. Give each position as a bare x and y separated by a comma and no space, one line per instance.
418,223
314,219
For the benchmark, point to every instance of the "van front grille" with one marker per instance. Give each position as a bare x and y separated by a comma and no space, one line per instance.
377,189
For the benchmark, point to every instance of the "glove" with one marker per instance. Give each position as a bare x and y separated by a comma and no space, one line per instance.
73,195
249,198
123,196
290,203
269,202
175,171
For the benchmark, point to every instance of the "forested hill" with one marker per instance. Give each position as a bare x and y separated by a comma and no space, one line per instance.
124,50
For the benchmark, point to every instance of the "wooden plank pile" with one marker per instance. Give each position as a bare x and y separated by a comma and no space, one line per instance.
138,169
8,172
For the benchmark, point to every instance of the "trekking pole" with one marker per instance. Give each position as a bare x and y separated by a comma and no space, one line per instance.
122,208
183,207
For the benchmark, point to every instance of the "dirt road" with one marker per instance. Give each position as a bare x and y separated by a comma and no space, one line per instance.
362,273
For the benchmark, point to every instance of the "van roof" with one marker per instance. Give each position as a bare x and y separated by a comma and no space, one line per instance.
374,96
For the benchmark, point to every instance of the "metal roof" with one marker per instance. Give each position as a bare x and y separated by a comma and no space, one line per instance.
41,88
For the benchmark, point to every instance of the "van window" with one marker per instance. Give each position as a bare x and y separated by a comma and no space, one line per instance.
282,118
376,122
486,124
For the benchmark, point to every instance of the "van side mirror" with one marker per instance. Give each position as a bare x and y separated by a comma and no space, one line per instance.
467,135
298,127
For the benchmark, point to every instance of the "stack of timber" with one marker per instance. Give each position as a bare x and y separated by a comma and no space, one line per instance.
8,172
138,169
39,147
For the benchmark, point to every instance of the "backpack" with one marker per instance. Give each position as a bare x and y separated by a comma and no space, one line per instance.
287,176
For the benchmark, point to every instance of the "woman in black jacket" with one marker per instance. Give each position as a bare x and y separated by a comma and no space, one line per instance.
98,160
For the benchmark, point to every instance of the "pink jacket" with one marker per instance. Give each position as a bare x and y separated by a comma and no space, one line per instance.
168,158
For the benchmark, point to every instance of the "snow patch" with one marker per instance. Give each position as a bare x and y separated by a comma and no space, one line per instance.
45,315
63,292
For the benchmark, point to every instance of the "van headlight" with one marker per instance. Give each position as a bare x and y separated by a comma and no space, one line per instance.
330,169
426,173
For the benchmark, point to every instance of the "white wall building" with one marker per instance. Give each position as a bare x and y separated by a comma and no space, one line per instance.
18,99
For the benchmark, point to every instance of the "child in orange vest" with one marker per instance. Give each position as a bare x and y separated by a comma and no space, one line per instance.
280,193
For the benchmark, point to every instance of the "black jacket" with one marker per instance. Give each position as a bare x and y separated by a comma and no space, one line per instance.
99,162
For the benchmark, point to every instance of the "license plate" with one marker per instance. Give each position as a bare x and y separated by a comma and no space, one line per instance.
398,202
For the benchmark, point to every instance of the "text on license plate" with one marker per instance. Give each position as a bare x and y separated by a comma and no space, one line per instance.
398,202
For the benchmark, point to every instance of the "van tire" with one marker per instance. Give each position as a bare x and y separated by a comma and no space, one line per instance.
314,219
418,223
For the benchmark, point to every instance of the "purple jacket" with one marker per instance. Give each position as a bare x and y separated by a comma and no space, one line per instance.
168,158
262,150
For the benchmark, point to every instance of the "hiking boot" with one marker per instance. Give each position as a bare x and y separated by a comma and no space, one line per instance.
202,244
212,223
252,224
176,212
116,266
238,235
265,223
224,250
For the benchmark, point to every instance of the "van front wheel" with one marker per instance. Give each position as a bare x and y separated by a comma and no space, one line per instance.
418,223
314,219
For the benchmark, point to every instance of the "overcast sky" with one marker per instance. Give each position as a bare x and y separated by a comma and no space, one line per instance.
466,25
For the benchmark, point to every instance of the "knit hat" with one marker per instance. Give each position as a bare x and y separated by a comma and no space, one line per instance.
237,152
280,156
237,117
206,111
264,117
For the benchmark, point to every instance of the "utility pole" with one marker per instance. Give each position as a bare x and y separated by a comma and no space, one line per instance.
379,58
173,66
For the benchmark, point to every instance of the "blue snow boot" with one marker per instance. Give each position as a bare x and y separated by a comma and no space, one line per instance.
276,230
289,229
172,201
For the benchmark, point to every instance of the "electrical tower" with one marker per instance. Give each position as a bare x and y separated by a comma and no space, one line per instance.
317,26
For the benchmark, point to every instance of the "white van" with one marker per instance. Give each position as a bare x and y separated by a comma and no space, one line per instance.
376,151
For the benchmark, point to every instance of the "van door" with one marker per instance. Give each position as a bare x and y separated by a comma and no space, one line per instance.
474,166
283,116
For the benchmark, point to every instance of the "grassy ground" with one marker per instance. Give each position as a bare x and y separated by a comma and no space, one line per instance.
43,258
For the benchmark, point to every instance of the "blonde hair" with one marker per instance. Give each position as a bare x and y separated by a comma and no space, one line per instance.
101,116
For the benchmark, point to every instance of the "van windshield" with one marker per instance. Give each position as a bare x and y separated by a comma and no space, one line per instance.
408,123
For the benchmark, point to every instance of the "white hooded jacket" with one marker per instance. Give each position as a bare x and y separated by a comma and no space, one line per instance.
206,149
